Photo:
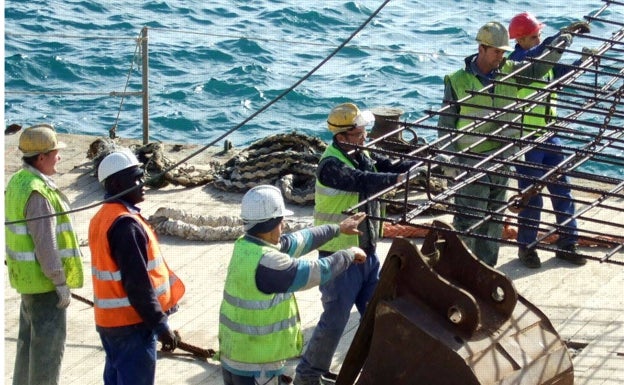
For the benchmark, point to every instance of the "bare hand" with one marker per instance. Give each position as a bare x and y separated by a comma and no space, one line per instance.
360,255
349,225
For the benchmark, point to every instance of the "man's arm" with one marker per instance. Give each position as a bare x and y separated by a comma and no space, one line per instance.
333,173
279,273
128,243
301,242
451,113
538,69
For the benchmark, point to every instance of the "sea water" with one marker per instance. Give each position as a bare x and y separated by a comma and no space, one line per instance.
222,70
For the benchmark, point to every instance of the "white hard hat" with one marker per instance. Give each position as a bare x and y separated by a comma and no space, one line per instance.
115,162
262,203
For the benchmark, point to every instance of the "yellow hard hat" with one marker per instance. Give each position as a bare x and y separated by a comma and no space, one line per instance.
347,116
39,139
494,34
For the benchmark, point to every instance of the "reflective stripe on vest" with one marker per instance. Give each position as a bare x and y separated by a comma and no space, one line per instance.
329,203
463,81
111,304
25,272
255,327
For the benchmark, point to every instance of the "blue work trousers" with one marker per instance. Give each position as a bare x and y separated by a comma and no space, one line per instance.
130,357
353,287
560,197
40,340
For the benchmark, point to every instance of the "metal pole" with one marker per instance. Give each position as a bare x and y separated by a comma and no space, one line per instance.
145,86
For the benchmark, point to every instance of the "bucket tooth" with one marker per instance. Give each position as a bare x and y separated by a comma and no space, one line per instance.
439,316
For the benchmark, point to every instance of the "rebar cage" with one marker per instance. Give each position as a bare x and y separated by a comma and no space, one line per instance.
589,122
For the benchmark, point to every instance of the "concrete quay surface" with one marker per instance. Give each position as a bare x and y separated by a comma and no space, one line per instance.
585,304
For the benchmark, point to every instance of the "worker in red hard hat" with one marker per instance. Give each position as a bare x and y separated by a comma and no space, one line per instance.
527,30
463,110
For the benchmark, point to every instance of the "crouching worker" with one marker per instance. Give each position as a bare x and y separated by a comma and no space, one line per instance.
134,289
259,325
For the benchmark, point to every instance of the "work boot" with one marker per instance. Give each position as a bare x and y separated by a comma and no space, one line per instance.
329,378
529,258
569,253
307,381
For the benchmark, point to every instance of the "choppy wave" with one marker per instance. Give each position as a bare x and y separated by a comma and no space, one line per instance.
214,64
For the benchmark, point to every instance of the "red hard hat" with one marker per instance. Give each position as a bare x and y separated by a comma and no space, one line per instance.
524,24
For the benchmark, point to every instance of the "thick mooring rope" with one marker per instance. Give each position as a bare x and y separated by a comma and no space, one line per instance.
192,227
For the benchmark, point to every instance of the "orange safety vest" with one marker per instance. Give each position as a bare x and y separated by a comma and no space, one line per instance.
111,304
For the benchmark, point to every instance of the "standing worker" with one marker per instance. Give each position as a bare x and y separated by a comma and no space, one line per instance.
487,195
43,257
259,325
134,289
345,178
527,31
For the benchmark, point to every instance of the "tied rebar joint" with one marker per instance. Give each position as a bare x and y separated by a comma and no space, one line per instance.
519,202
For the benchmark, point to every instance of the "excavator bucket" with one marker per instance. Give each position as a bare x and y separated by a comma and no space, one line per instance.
440,316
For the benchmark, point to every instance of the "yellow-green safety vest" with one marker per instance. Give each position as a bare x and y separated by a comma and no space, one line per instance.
545,113
25,273
329,203
255,327
463,81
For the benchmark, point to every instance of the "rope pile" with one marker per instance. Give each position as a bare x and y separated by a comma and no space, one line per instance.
155,162
287,161
192,227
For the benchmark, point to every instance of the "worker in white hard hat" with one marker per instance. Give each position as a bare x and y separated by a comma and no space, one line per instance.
259,326
485,68
347,174
134,290
527,30
42,256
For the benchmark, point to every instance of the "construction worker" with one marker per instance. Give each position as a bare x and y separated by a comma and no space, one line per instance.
134,289
487,195
527,30
259,325
345,178
43,257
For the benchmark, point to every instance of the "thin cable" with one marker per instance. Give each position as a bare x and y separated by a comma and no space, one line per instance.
230,131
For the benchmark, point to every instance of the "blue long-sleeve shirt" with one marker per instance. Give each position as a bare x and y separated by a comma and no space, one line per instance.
520,54
281,271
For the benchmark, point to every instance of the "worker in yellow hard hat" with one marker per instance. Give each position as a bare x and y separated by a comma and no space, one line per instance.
42,256
347,174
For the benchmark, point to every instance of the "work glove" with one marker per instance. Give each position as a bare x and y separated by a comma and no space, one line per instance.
587,53
577,27
562,41
64,296
169,340
359,255
444,168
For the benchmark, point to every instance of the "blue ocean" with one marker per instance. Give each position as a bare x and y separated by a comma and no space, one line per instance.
272,65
